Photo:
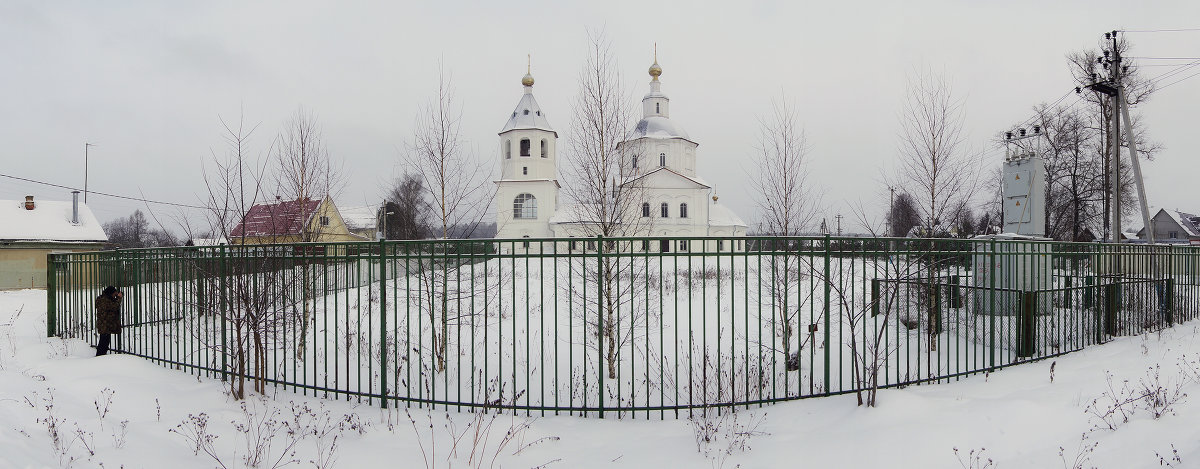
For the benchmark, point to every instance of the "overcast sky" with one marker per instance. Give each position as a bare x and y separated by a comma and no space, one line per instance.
147,81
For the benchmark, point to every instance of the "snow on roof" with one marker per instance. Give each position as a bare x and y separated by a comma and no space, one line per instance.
527,115
657,127
720,215
360,218
572,213
276,219
207,242
1189,222
50,220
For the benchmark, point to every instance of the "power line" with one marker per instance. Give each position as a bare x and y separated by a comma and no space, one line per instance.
1179,80
138,199
1159,30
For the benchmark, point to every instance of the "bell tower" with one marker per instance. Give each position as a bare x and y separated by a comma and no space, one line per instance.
527,192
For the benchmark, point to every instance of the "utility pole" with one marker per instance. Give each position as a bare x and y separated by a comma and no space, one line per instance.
85,169
1115,77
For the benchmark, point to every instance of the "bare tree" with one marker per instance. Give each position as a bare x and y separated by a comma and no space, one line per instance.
459,191
304,169
606,194
788,205
458,194
935,168
135,232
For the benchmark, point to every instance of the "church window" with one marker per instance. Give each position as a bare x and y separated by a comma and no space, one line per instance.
662,159
720,245
545,150
525,243
524,147
525,170
664,245
525,207
656,109
664,208
589,246
645,209
634,161
683,245
682,210
508,149
571,244
645,245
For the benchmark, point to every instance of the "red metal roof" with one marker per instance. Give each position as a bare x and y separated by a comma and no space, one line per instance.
277,219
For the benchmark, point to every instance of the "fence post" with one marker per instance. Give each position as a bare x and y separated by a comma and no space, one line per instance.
383,366
955,293
992,303
1112,304
224,313
828,311
875,297
1027,327
1067,293
1169,302
51,289
600,320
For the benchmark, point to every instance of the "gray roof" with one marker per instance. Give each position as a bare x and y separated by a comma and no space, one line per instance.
528,115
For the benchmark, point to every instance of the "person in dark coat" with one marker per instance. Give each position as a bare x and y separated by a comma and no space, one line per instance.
108,317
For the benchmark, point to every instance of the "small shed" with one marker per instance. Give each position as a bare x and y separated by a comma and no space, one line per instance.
31,229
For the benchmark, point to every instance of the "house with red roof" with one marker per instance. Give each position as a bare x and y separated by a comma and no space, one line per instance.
293,221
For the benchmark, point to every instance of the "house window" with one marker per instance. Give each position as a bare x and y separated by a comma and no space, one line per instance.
525,170
508,149
683,245
1173,235
662,159
324,221
545,150
525,207
664,208
645,209
682,210
524,147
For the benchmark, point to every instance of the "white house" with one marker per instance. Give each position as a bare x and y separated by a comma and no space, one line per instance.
661,165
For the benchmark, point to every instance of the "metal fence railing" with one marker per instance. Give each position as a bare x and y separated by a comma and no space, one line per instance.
621,327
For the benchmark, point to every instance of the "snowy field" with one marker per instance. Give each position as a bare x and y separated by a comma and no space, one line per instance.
119,411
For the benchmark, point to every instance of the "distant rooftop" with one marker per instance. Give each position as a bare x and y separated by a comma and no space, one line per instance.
50,220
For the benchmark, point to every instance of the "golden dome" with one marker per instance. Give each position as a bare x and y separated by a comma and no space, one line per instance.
655,70
527,80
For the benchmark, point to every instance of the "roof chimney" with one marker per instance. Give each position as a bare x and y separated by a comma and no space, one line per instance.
29,202
75,207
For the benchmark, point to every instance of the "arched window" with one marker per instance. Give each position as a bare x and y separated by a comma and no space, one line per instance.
545,150
524,147
662,159
720,245
508,149
525,243
634,161
656,109
525,207
645,209
664,208
682,210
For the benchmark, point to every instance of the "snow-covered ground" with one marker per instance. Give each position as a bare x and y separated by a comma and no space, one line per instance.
119,411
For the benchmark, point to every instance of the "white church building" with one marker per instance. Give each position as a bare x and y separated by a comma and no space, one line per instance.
675,202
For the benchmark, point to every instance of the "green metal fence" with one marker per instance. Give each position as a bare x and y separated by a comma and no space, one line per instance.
624,327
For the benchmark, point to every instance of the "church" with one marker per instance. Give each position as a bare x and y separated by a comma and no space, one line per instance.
672,201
